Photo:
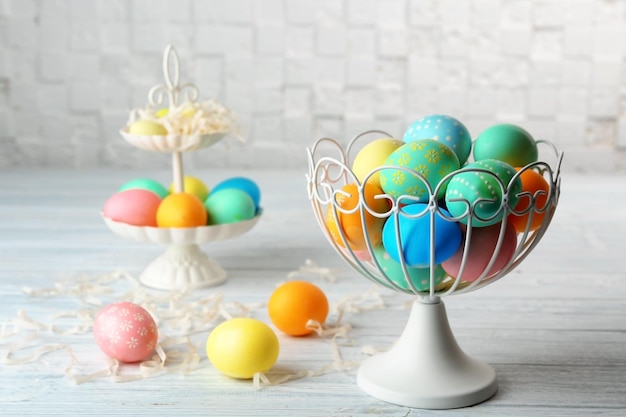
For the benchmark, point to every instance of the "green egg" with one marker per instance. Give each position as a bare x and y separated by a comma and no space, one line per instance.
507,143
430,158
420,277
145,184
229,205
482,191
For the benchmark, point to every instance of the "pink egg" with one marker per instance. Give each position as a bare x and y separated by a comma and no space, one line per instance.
482,246
362,255
125,331
136,206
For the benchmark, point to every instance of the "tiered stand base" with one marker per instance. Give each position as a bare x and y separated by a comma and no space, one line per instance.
182,266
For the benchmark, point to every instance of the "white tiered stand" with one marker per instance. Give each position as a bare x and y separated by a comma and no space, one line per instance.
183,265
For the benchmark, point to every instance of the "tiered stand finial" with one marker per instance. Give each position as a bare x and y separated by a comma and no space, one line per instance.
172,90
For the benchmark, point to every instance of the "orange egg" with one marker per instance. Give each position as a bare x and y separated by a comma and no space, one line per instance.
294,303
181,210
532,182
350,223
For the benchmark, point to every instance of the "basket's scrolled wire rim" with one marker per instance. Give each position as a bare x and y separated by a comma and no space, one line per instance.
328,174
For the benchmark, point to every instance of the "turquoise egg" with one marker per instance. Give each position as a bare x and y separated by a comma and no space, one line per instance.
507,143
229,205
243,184
444,129
431,159
415,236
420,277
482,192
145,184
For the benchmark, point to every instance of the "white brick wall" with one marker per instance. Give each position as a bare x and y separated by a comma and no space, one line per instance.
296,70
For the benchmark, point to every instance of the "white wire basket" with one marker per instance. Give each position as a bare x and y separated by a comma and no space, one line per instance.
426,368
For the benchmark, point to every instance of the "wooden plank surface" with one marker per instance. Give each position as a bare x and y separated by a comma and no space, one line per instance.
554,329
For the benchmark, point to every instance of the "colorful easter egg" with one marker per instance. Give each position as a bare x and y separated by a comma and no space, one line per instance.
193,185
229,205
429,158
532,202
147,128
145,184
244,184
444,129
419,277
125,331
135,206
507,143
181,210
241,347
372,156
347,209
294,303
476,192
480,249
415,235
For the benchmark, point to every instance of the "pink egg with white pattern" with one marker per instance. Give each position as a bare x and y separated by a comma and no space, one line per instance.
125,331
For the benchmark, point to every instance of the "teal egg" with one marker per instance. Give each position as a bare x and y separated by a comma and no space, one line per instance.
444,129
428,157
420,277
482,191
507,143
145,184
243,184
229,205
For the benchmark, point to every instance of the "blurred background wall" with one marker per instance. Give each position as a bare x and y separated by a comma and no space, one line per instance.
296,70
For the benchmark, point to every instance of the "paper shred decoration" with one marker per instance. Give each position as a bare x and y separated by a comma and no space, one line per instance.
309,269
178,314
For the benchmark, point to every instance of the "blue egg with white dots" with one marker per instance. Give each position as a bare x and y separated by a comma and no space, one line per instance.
444,129
243,184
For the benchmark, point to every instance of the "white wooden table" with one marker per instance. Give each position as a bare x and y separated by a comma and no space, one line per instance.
554,329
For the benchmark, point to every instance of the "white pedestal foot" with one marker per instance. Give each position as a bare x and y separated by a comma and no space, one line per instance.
426,368
182,267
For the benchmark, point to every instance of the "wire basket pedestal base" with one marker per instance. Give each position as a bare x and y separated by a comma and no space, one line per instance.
426,368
